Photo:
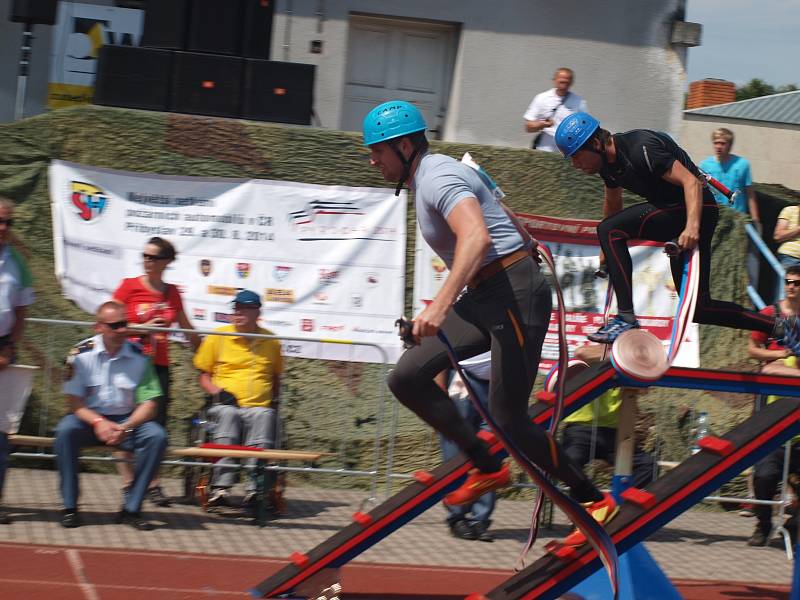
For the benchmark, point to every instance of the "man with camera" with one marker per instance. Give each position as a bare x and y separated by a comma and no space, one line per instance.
241,375
550,107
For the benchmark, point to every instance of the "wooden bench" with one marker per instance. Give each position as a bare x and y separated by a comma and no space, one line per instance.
200,488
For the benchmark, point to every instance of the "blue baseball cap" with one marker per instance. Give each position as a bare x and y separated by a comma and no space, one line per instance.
247,298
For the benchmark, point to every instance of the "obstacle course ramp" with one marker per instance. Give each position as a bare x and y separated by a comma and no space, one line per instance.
645,511
368,529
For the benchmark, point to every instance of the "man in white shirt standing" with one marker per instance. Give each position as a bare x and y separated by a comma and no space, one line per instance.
549,108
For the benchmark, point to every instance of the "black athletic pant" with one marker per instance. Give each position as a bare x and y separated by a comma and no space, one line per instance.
508,313
767,475
648,221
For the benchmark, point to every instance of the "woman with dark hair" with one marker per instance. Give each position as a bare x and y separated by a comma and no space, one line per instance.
150,301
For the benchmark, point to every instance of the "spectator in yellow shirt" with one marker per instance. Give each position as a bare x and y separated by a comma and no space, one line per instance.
242,377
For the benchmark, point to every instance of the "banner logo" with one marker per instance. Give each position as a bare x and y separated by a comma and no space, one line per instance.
90,200
243,270
307,325
316,208
281,272
328,276
439,268
199,314
372,279
205,267
279,295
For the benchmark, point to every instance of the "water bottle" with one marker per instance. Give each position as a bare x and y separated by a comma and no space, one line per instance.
701,431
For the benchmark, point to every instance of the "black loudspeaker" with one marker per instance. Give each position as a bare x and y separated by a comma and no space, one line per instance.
278,91
35,12
133,77
207,84
257,28
165,24
216,27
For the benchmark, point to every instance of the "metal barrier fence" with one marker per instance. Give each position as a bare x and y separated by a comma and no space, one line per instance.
323,393
331,410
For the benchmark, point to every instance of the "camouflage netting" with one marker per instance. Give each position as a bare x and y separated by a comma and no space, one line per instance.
322,399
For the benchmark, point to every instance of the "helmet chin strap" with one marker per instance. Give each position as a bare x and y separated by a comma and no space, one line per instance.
407,162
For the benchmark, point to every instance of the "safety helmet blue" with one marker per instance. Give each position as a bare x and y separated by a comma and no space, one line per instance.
390,120
574,131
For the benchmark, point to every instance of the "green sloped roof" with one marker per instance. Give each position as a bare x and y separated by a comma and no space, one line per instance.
777,108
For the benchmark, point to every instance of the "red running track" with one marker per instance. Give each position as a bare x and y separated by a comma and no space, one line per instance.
29,572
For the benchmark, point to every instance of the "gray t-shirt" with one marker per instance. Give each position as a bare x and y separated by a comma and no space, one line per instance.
440,183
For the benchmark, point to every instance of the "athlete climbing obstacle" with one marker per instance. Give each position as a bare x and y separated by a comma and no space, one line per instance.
678,206
506,308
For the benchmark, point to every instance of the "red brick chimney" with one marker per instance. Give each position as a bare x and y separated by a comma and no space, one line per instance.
707,92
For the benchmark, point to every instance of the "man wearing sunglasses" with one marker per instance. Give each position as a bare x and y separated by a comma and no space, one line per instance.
16,294
112,392
776,360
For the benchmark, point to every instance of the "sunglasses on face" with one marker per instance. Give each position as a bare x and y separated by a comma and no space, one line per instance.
116,325
7,222
794,282
147,256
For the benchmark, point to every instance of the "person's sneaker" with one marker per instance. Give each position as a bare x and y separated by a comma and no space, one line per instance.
4,518
746,510
477,484
135,520
481,530
602,511
611,330
218,497
759,538
250,499
157,497
70,519
462,530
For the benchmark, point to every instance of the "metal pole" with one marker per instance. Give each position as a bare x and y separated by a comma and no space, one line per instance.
22,75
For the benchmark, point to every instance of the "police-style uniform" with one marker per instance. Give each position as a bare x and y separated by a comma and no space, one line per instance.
112,386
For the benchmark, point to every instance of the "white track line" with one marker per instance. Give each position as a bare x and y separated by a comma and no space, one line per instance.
75,562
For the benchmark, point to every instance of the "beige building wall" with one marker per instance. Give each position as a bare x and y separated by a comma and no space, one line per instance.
773,149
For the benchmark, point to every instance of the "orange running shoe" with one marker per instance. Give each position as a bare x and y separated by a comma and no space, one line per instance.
603,511
477,484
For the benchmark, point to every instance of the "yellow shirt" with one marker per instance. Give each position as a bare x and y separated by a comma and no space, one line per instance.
790,247
246,367
608,415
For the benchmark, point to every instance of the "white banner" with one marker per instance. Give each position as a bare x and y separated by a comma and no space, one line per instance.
576,251
79,33
327,261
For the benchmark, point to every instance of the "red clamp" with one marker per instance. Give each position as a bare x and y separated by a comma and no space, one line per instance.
487,436
546,397
641,498
424,477
362,519
716,445
300,560
560,551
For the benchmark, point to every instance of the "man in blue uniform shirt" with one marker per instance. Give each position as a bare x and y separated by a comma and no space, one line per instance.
112,392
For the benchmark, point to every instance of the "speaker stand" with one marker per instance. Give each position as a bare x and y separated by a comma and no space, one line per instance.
22,76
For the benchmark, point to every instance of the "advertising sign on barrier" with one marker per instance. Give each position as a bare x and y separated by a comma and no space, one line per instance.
327,261
576,251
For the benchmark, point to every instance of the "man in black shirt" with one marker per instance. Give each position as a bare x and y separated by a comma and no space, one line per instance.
678,206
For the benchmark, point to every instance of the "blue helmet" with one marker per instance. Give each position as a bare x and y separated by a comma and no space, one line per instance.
390,120
574,131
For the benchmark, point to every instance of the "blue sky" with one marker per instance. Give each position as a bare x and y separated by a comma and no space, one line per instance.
743,39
